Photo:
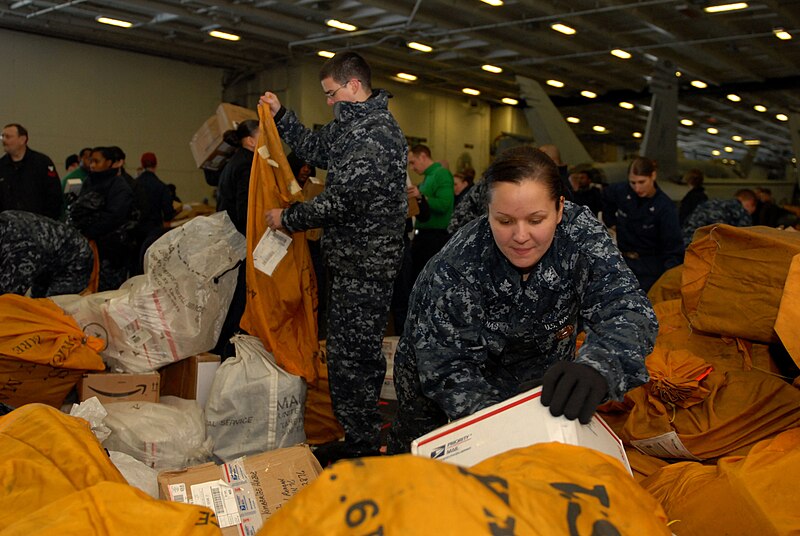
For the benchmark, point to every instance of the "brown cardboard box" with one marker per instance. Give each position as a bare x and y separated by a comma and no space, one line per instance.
25,382
190,378
246,491
119,387
208,148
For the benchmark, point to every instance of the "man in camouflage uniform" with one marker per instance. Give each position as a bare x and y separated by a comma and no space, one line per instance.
362,212
471,207
480,332
47,256
737,212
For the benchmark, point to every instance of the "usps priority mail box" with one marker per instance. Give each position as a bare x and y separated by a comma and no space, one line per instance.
517,422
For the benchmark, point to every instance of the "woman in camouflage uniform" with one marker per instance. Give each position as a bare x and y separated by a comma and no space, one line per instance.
41,254
498,309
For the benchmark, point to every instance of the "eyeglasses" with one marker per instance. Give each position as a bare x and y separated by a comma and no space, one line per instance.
331,94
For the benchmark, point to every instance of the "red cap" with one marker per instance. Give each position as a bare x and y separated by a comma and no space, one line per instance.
149,160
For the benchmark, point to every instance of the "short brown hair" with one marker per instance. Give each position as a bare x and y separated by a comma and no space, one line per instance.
345,66
421,149
21,131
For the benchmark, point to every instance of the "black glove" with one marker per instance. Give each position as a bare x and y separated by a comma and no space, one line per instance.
574,390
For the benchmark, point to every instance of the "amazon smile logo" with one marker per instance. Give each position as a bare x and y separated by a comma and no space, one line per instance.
141,388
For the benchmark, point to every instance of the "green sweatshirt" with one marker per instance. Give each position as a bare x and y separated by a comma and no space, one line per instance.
437,187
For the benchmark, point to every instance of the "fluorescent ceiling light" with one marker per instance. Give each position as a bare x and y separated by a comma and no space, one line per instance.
715,152
752,142
406,76
470,91
493,2
782,117
782,34
626,105
510,101
563,28
687,122
712,130
621,54
736,138
574,120
555,83
492,68
419,46
725,7
699,84
637,134
588,94
224,35
760,108
326,54
333,23
734,97
114,22
599,128
728,149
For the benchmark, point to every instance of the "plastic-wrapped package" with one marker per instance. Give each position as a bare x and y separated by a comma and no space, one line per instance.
170,434
93,412
176,309
254,405
136,473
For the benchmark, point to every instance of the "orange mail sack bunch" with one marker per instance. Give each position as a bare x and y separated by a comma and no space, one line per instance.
56,478
753,494
43,352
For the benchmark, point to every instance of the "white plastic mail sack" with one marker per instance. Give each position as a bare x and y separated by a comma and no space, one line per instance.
170,434
176,309
254,405
88,311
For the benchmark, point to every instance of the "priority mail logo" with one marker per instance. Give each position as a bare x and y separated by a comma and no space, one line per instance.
438,452
452,447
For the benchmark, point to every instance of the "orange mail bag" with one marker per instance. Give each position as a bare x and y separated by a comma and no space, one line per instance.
281,309
545,489
733,279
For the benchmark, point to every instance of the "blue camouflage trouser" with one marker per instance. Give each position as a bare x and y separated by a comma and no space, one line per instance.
416,414
357,316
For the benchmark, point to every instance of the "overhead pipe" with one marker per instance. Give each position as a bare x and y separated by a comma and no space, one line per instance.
53,8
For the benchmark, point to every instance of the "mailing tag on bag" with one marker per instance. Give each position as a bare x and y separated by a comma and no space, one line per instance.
271,249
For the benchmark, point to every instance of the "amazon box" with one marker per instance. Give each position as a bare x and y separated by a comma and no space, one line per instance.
246,491
111,387
517,422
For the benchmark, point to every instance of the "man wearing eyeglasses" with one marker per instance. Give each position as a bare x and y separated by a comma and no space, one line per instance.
362,212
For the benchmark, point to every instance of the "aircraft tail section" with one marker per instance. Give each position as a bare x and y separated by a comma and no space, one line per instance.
548,125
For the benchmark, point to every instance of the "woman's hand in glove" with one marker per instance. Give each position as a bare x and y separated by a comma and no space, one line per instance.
573,390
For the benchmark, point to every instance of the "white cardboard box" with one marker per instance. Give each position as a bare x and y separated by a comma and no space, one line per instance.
517,422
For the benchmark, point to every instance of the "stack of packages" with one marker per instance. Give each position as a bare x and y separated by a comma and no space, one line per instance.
715,434
240,452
